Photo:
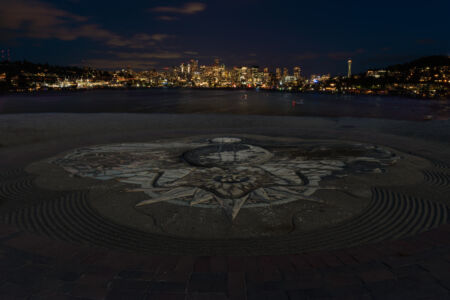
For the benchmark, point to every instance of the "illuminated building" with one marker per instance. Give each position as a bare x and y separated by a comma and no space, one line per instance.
349,72
194,65
243,75
255,76
266,75
297,72
376,73
278,73
425,81
290,79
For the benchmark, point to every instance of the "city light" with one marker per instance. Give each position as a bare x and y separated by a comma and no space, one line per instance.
429,79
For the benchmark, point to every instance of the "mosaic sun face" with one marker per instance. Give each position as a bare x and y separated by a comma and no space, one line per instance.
226,172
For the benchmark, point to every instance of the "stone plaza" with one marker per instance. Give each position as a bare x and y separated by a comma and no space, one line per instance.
230,207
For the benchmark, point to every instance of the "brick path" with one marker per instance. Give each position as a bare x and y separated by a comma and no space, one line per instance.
35,267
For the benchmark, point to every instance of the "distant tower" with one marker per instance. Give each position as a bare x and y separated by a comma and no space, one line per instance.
349,73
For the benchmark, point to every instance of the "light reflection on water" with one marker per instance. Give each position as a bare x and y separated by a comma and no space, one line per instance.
226,102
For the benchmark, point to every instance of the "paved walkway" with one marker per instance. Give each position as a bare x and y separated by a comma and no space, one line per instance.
35,267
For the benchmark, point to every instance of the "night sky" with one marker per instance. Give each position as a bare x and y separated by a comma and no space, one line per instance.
319,36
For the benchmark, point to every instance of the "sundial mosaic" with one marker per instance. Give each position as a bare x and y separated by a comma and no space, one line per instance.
230,173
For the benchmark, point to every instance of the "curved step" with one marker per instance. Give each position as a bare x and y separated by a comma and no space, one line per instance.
390,215
16,189
440,179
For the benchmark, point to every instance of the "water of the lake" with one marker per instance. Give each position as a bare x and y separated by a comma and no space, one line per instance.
190,101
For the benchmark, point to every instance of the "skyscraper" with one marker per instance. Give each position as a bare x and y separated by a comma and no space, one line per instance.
297,72
266,75
349,73
194,65
278,73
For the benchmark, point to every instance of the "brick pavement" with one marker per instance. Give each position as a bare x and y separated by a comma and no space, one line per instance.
35,267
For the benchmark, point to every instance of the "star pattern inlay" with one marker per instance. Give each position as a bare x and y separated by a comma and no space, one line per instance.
225,172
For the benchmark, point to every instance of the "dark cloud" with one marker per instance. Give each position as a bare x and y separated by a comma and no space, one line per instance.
167,18
187,9
115,64
135,60
146,55
39,20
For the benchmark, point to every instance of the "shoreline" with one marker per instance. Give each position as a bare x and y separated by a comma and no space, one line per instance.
71,90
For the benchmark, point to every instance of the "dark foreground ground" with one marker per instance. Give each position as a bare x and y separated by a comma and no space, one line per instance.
35,266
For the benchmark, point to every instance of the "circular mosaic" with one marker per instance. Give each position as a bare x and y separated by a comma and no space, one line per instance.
228,195
227,172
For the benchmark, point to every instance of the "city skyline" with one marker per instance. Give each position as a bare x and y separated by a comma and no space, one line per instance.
426,77
158,34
